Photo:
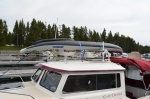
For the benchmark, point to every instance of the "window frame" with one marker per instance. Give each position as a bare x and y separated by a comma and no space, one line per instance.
117,76
46,74
37,79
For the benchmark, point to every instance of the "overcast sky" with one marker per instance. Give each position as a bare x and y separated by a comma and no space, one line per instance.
128,17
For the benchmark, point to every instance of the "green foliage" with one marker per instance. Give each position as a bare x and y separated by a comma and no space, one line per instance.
65,32
75,33
54,31
103,35
95,36
9,38
49,31
10,48
3,33
25,34
15,34
110,37
116,38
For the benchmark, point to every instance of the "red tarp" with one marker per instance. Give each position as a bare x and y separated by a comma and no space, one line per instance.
143,65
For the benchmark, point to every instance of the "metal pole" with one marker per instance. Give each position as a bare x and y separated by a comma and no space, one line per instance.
56,28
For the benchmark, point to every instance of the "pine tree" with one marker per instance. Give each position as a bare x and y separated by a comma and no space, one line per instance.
21,33
49,31
116,38
33,34
1,32
65,32
81,33
10,38
42,30
110,37
5,33
122,42
27,30
25,35
54,32
91,38
15,34
75,33
85,34
96,38
103,35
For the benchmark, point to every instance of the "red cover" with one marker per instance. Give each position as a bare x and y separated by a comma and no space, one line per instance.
143,65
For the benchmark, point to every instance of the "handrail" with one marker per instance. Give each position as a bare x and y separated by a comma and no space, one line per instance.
17,94
146,89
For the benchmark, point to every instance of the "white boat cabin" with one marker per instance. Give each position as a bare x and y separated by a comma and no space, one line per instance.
73,80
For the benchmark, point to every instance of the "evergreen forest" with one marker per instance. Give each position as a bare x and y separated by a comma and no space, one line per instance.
25,34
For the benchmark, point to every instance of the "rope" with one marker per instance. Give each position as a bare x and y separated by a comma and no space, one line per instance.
81,52
101,46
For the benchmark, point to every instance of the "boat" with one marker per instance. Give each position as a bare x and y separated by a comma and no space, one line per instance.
70,44
73,79
146,56
137,76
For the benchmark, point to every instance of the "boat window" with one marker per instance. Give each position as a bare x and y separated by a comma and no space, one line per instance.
108,81
132,72
37,75
76,83
50,80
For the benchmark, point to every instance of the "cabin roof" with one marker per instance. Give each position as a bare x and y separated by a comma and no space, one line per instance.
79,66
143,65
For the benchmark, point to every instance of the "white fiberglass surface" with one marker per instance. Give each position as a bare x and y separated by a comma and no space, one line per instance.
83,66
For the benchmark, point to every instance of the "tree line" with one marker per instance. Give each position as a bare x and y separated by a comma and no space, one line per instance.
25,34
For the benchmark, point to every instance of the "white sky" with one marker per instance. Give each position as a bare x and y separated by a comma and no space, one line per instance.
128,17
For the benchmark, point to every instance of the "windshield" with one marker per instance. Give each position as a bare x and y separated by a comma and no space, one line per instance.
50,80
37,75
